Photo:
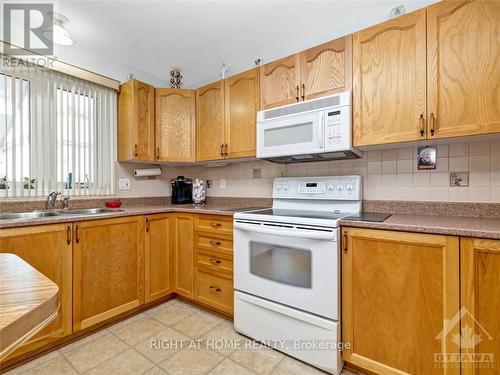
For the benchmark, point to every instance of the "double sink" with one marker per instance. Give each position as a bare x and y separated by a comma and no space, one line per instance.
42,214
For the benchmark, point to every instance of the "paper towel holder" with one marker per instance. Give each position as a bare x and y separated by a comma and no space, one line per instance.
150,173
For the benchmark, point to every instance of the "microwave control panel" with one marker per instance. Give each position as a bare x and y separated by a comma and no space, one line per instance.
337,128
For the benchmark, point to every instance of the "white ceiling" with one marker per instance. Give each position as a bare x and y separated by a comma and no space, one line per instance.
197,36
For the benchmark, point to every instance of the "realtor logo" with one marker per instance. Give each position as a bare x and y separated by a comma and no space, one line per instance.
27,28
471,334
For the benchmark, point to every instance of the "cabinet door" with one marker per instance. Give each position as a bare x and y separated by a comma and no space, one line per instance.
389,80
279,82
158,257
136,122
47,248
175,125
480,278
241,105
210,122
326,69
182,232
398,291
108,264
463,62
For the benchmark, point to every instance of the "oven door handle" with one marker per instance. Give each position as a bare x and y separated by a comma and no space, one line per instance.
330,235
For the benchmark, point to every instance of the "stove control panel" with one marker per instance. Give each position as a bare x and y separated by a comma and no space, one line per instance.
336,188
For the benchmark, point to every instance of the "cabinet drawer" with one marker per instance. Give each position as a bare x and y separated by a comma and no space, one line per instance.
214,261
214,224
214,243
215,290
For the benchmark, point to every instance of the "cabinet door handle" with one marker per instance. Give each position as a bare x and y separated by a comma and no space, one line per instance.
148,227
157,153
226,150
215,288
303,91
136,148
215,261
222,150
421,125
432,123
215,243
68,234
297,93
344,242
216,225
77,234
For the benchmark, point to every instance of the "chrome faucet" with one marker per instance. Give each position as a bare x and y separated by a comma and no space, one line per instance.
51,200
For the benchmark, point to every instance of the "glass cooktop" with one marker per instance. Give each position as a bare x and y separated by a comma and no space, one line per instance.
329,215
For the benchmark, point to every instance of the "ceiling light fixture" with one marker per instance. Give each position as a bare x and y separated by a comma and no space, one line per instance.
57,32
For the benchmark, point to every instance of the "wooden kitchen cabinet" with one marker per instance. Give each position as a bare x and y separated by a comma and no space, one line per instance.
183,252
136,122
47,248
175,125
159,265
463,68
241,107
326,69
108,269
398,288
280,82
389,81
210,122
480,288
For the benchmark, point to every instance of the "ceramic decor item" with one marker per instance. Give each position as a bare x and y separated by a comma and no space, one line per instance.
199,191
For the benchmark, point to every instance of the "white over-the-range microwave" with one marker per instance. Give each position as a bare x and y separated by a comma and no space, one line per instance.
313,130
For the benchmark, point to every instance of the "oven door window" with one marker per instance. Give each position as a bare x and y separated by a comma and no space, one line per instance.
285,265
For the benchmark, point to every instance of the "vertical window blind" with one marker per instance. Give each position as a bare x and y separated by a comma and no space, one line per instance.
57,133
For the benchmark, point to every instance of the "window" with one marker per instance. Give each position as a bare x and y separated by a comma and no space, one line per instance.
56,133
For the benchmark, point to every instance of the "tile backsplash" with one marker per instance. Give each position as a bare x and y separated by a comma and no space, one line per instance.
387,174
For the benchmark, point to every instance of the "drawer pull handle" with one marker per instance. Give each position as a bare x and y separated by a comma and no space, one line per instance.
216,225
215,289
215,243
215,261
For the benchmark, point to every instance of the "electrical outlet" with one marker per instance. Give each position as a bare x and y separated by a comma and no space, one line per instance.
222,184
124,183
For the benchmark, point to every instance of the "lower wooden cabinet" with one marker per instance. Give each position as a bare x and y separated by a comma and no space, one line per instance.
159,270
48,249
398,291
480,288
182,247
108,269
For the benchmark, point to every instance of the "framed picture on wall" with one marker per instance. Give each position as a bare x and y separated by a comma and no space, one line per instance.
426,157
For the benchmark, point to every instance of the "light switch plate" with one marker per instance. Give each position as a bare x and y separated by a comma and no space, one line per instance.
222,184
124,183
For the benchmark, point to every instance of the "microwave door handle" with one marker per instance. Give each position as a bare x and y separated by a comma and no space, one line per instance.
309,234
321,130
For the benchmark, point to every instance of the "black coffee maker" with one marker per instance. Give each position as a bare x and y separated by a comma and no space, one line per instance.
182,190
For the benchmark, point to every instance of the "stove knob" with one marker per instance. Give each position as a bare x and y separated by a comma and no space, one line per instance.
286,187
349,187
340,187
278,187
331,187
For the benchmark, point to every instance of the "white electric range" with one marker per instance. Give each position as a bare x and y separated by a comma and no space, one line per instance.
287,268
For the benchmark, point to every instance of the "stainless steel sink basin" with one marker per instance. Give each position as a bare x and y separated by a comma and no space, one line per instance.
89,211
26,215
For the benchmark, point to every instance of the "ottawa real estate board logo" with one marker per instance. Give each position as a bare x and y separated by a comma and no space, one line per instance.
463,335
28,28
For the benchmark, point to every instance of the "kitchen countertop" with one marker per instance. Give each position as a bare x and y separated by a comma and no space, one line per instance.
448,225
28,302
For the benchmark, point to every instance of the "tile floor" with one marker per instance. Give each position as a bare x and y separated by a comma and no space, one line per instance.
142,344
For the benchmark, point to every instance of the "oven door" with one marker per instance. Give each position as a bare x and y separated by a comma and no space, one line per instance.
298,268
293,135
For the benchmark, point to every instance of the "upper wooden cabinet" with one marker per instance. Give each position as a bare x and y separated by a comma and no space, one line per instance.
158,257
210,122
480,288
389,81
175,125
108,269
463,65
241,107
326,69
279,82
399,290
319,71
226,120
47,248
136,122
